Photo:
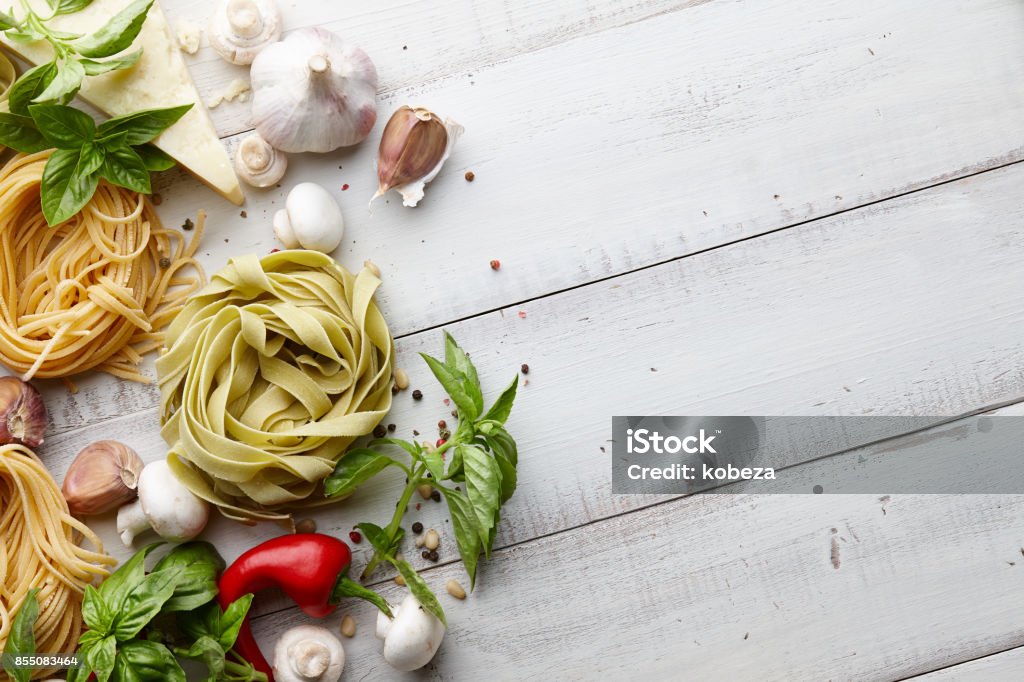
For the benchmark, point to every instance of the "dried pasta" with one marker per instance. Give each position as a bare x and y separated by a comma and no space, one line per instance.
272,370
93,292
39,549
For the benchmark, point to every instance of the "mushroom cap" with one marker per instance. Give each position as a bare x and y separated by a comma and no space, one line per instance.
173,511
259,164
308,652
314,217
413,636
239,29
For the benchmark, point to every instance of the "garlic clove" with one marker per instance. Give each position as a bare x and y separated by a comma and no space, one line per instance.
413,148
259,164
312,92
103,476
22,413
240,29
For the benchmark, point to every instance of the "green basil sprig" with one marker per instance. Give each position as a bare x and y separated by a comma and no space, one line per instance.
117,151
482,461
21,640
131,619
75,56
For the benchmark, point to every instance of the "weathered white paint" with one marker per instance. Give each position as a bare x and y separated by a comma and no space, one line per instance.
1006,665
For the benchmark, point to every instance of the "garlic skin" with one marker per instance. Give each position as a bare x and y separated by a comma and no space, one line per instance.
103,476
311,219
413,148
313,93
22,413
240,29
259,164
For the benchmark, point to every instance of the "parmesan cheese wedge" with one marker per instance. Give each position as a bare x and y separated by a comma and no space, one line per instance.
159,79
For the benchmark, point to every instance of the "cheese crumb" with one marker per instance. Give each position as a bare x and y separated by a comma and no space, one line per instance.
237,89
189,35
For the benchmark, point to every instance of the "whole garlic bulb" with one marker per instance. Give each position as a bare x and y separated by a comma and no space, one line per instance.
313,93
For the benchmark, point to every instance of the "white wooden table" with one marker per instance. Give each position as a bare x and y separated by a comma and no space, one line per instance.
701,207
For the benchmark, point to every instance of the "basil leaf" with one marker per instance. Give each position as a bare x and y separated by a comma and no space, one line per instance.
93,67
100,658
467,535
26,88
91,158
117,585
154,159
123,167
483,486
141,661
210,652
25,35
142,126
355,468
420,590
7,21
117,34
143,603
414,449
20,134
65,189
198,566
456,470
67,6
435,464
96,613
65,127
454,383
502,407
376,536
204,621
232,619
505,457
458,359
65,84
21,639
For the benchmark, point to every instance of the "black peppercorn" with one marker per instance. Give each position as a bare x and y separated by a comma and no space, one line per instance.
436,495
379,431
425,554
433,555
417,394
417,528
391,428
525,368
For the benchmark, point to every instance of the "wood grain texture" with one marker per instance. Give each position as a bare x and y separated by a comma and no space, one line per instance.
1006,665
906,307
602,155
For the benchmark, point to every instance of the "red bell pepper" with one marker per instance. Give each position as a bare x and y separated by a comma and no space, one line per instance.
311,568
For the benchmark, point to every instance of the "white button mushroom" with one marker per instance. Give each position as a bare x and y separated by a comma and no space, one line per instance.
259,164
165,505
308,653
239,29
412,637
311,219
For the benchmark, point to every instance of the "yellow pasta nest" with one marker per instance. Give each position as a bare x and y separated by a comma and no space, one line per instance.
272,370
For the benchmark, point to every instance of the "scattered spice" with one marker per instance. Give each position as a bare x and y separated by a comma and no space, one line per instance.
305,526
436,495
402,380
425,490
525,369
394,389
344,187
425,554
391,428
455,589
442,425
243,214
188,224
379,431
522,314
469,176
348,626
440,442
355,536
447,401
495,264
433,555
271,251
417,527
432,540
165,262
399,580
417,394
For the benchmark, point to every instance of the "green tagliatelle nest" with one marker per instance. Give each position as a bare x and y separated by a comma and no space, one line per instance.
271,371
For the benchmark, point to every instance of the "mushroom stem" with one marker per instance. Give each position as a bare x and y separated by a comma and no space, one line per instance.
131,521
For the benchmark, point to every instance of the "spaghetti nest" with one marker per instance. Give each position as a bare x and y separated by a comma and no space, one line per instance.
93,292
272,370
39,549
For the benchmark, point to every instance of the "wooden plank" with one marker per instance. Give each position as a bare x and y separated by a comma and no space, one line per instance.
907,307
1006,665
738,588
578,185
413,43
